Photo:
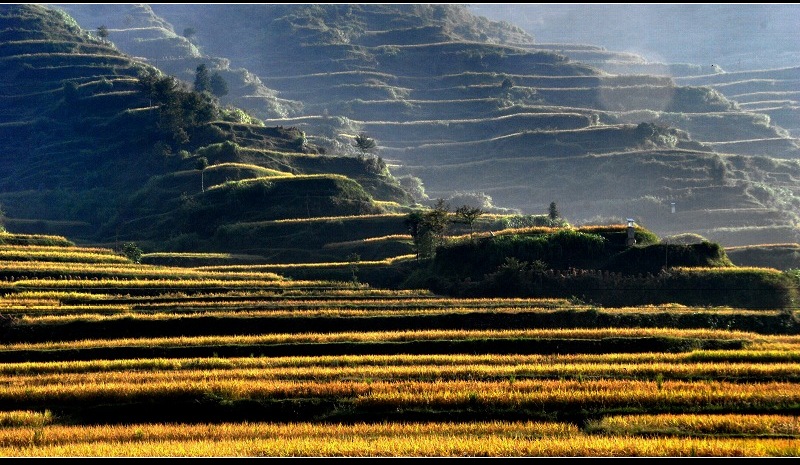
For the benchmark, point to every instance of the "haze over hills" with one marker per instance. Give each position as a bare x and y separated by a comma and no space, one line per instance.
478,111
747,52
736,37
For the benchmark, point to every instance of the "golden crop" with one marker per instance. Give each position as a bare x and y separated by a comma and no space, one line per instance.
367,440
400,336
566,363
693,425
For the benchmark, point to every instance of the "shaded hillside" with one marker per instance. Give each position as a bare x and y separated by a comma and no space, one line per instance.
106,148
778,256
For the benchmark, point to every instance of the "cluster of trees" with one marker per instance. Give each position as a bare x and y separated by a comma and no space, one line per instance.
180,111
213,83
428,228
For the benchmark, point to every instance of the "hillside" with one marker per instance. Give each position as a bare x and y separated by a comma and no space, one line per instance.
467,105
103,147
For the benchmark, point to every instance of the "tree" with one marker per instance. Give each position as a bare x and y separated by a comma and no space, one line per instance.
202,79
102,32
364,143
552,212
437,219
413,185
353,260
218,85
472,199
468,215
428,229
202,164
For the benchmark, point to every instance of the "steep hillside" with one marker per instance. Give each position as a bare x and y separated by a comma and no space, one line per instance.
103,147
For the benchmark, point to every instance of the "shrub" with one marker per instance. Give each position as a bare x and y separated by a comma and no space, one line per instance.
527,221
132,251
223,151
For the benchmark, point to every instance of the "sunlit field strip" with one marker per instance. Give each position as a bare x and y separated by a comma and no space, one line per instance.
37,295
531,394
63,434
374,240
189,255
87,312
61,256
409,335
24,418
34,237
384,303
694,425
343,307
125,270
377,302
67,313
176,297
447,305
539,362
588,394
366,440
274,281
60,313
285,266
325,219
719,371
59,248
431,445
32,297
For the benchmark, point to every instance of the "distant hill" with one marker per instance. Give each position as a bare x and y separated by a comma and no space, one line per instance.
469,105
747,52
737,36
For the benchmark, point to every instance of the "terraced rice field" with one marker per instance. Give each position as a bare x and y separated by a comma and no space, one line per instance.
103,357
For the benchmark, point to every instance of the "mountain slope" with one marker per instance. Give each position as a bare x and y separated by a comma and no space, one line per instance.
441,90
107,148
